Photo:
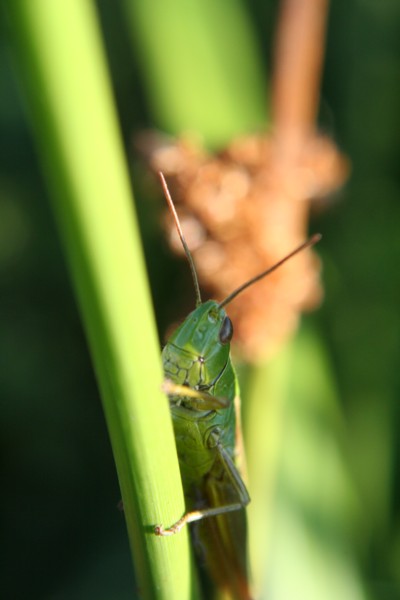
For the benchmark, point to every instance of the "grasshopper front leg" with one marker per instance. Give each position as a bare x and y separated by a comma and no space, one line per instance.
200,400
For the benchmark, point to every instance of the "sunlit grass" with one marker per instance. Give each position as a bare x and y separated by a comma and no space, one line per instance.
69,99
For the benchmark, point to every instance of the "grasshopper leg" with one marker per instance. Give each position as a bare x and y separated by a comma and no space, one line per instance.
201,400
197,515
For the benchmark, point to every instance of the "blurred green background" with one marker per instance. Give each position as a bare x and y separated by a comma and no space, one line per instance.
62,534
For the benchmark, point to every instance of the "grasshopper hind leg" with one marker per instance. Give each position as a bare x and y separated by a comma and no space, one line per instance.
230,471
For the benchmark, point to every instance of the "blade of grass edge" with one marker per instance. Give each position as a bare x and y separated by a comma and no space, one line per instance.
68,95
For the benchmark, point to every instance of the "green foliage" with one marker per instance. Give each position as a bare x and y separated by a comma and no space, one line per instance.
327,406
80,149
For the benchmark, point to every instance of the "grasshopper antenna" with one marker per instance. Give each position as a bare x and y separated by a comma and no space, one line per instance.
310,242
182,238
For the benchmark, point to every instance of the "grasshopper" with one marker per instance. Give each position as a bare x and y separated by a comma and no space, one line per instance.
204,396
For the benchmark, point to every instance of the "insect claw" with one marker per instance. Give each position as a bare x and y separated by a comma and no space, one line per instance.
166,386
159,530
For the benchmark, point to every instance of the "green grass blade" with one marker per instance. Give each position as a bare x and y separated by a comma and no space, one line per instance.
304,501
68,93
201,66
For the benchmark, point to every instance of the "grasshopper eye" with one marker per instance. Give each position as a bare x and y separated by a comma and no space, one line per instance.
226,331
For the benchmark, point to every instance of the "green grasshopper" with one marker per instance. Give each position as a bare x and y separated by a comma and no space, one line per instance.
203,392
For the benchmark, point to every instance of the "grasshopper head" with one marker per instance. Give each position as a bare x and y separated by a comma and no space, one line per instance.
206,334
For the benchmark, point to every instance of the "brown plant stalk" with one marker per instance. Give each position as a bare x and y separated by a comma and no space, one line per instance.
246,207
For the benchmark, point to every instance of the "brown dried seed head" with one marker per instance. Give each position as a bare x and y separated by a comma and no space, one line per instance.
248,207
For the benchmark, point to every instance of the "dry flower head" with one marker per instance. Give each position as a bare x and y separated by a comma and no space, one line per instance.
243,210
